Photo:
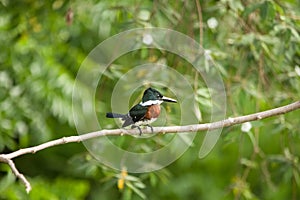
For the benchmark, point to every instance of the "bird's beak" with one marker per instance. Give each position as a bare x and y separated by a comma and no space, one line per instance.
167,99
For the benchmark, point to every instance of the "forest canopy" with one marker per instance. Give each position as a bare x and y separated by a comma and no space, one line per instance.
252,46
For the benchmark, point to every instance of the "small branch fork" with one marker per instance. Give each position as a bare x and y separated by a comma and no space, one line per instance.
7,158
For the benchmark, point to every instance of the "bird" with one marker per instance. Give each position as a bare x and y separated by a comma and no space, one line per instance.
145,112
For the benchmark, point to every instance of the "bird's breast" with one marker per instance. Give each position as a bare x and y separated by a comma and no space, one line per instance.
153,111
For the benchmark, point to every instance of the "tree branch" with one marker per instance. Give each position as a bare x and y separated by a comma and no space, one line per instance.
7,158
16,172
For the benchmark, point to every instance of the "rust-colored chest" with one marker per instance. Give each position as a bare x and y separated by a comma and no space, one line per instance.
153,111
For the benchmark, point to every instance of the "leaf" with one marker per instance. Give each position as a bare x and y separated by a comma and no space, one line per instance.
204,92
249,163
296,177
127,194
139,185
136,190
131,178
251,8
153,179
6,181
267,11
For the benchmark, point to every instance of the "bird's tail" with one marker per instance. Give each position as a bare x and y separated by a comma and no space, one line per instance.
115,115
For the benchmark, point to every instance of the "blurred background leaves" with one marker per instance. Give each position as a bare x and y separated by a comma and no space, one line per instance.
254,44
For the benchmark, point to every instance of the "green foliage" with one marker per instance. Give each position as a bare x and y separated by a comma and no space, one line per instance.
255,46
60,188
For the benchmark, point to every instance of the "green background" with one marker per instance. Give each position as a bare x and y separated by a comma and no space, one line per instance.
255,46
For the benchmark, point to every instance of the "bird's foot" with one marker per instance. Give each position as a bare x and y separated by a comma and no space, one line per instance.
135,126
150,127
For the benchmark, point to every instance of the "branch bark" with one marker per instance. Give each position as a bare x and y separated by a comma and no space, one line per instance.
7,158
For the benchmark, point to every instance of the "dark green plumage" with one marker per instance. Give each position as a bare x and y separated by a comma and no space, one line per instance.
137,113
151,94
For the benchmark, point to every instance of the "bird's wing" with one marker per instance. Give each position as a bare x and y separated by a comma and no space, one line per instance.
138,112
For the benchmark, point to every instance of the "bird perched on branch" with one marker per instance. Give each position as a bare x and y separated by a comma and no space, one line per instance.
145,112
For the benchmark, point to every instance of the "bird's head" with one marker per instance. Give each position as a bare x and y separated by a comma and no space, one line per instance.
152,96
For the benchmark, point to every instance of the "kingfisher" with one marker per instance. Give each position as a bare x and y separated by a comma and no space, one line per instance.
144,113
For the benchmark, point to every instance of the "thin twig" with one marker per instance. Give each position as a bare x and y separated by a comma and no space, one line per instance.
200,22
7,158
17,173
